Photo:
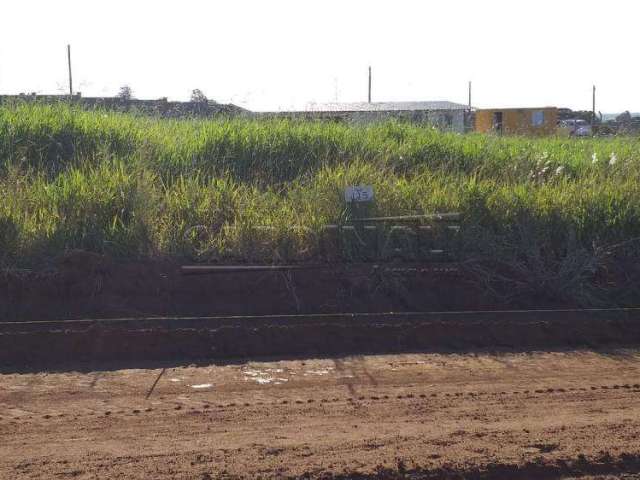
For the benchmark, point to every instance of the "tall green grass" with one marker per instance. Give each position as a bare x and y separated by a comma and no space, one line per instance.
202,190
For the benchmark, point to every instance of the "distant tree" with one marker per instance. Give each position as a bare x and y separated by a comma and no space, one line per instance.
198,97
125,92
624,117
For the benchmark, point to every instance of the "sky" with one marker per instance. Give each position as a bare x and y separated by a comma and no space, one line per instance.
284,54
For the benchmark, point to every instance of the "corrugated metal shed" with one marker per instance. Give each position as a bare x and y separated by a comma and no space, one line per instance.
385,106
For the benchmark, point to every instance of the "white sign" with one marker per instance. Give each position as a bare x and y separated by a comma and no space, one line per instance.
358,193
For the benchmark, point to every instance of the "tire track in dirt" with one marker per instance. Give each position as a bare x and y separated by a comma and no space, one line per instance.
190,405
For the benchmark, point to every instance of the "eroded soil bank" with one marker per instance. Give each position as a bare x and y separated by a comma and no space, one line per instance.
84,285
45,344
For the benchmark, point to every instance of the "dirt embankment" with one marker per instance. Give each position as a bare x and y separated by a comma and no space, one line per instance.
156,339
84,285
90,286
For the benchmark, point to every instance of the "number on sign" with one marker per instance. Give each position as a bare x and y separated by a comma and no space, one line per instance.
358,193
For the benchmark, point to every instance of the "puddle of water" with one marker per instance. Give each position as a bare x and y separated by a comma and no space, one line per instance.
175,380
202,385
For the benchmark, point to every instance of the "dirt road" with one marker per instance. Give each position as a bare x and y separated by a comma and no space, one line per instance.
506,415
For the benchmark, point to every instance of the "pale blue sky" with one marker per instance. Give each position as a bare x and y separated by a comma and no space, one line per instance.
284,53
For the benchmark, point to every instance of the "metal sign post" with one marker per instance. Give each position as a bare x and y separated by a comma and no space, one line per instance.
358,241
359,199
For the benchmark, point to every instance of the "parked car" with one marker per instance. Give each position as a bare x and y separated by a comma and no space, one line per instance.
576,127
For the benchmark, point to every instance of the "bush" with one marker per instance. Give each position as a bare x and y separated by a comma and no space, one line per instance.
261,190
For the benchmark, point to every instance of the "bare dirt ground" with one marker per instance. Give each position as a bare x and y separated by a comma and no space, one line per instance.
484,415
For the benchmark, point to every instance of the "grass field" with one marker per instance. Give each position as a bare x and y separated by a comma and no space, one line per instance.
131,186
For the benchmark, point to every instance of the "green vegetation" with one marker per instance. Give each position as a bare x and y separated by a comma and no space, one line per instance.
136,186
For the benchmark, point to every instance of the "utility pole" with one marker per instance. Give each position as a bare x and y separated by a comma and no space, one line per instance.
369,83
70,78
593,107
468,120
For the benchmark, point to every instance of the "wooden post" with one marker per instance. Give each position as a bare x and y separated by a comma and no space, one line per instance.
70,78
